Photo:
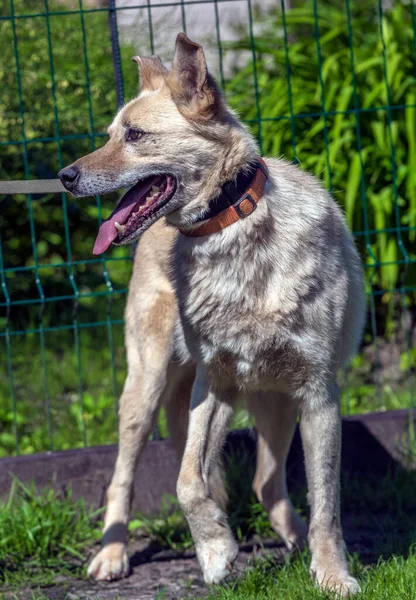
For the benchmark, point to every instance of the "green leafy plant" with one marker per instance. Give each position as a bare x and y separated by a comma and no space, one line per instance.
60,399
353,127
43,530
61,100
169,528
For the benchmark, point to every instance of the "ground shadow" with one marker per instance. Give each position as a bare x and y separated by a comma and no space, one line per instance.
377,490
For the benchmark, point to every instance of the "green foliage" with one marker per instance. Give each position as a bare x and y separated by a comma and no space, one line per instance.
43,531
69,411
372,398
393,579
169,528
65,99
308,111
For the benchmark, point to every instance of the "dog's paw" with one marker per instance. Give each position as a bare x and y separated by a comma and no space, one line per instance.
294,532
342,585
216,558
110,563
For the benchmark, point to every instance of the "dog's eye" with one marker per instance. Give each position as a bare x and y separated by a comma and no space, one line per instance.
133,135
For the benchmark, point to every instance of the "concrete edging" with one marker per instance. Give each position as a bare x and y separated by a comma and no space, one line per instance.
371,445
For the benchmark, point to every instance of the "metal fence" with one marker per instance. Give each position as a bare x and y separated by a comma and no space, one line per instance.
328,84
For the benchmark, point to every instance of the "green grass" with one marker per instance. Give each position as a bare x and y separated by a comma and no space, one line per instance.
41,532
169,529
43,535
394,579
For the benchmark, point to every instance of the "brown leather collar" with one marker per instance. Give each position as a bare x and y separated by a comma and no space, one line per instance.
240,209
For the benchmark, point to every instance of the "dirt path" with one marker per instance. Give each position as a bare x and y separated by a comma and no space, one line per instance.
168,575
155,572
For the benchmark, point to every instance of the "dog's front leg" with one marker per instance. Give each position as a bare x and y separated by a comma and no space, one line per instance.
321,437
148,352
211,410
137,410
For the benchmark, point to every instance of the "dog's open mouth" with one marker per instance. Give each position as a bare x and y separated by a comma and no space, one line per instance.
142,201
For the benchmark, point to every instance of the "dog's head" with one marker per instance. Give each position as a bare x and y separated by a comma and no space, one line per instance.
176,144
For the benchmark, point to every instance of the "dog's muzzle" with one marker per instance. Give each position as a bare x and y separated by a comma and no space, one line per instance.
69,177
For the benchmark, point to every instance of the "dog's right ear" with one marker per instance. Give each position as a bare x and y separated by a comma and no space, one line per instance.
193,89
152,72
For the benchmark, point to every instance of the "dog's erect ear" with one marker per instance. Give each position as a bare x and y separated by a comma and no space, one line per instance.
152,72
193,89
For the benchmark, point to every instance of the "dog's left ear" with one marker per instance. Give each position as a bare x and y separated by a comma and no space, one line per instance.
193,89
152,72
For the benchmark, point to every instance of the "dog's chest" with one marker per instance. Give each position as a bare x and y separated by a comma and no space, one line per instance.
230,323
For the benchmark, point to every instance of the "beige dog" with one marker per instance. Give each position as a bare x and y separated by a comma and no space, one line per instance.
226,303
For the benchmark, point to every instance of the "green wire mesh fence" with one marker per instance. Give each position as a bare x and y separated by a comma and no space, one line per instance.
329,84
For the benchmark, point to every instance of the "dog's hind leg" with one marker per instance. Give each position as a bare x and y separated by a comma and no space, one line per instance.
275,416
211,411
177,408
321,437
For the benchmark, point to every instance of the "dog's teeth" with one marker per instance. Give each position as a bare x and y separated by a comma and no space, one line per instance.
155,189
119,227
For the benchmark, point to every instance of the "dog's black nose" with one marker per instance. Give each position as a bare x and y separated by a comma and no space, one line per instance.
69,176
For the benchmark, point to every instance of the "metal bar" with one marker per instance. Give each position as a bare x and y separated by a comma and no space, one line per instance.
118,74
116,8
31,186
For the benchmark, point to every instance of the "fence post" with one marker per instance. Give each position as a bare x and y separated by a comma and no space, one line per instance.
118,74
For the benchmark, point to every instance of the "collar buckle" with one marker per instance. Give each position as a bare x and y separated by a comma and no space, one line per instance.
246,209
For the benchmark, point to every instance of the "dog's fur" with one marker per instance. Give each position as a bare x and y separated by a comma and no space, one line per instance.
266,311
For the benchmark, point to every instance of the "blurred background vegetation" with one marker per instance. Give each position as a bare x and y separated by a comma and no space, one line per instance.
332,88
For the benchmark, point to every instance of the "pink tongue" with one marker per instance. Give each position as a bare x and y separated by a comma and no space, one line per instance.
108,232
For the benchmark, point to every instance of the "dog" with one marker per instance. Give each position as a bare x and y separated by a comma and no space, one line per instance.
246,285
